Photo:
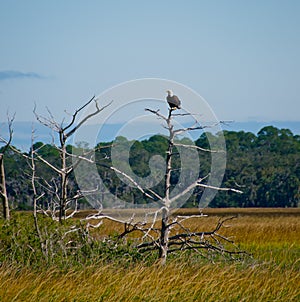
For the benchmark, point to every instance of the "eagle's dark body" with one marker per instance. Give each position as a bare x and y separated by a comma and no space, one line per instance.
173,100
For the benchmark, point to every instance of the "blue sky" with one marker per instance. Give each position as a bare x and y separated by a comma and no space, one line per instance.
243,57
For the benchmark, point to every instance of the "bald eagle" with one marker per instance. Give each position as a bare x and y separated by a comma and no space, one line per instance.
173,100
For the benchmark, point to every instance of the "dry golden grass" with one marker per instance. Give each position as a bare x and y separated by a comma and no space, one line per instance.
174,282
272,275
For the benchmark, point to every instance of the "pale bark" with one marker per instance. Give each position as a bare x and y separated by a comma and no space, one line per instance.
65,169
159,237
3,193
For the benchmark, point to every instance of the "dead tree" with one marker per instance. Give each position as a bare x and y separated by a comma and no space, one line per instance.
3,192
168,232
66,167
185,240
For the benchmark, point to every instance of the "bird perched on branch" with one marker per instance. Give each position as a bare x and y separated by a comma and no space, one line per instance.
173,100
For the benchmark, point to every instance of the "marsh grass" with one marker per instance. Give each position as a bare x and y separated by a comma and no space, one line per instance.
174,282
271,274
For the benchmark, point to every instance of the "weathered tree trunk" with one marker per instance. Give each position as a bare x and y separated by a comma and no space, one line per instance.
164,236
3,192
165,226
63,179
35,199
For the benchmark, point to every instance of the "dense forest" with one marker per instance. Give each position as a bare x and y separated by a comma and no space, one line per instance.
266,167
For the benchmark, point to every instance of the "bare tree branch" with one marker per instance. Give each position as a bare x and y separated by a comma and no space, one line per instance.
58,171
132,180
77,111
219,189
85,118
157,113
199,148
7,143
189,188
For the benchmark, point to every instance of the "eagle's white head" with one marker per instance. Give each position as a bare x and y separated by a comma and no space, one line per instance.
170,92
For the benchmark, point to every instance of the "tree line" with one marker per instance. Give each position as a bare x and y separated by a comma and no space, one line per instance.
266,167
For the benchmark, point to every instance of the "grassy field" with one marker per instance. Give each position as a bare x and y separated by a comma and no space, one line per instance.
272,236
